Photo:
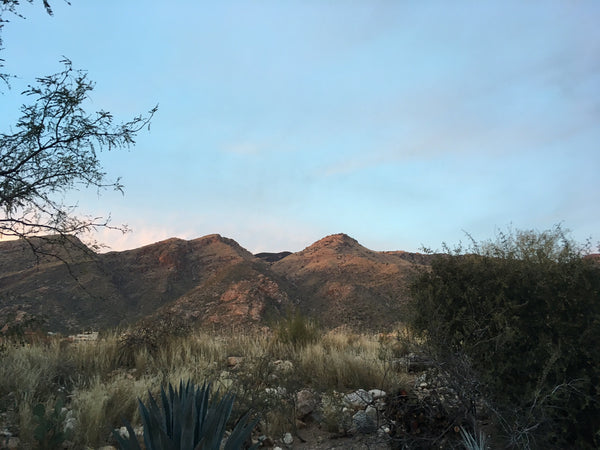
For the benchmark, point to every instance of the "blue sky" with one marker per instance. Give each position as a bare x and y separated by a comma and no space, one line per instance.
399,123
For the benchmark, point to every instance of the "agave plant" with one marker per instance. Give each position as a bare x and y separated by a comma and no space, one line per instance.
471,442
189,420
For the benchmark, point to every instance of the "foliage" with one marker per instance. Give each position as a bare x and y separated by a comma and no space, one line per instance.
49,432
54,149
471,442
524,310
296,330
150,335
101,390
189,419
14,326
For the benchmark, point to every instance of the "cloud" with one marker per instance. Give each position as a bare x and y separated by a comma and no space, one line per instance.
139,236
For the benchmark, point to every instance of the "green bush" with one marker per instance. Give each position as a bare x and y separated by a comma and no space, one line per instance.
525,311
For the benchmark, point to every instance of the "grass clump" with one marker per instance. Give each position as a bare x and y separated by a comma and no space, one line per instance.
296,330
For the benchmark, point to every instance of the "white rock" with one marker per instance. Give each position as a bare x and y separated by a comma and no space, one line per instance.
358,399
288,439
377,393
279,391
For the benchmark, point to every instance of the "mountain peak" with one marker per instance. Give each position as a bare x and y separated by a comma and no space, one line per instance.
336,241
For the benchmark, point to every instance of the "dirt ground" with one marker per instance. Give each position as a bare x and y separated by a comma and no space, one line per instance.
314,438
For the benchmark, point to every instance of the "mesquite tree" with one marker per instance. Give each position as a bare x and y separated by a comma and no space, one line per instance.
52,149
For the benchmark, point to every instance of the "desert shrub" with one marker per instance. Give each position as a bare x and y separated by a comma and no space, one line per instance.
524,311
296,330
149,335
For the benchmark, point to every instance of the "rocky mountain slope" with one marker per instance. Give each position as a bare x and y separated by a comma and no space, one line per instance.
211,281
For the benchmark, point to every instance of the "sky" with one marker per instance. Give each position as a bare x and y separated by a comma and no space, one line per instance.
402,124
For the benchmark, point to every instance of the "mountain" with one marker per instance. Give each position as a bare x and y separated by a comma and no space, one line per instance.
211,281
343,283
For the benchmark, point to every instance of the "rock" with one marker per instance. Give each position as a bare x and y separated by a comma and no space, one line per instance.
107,447
358,399
283,366
306,402
371,412
288,439
279,391
123,432
70,424
364,423
266,441
377,394
234,361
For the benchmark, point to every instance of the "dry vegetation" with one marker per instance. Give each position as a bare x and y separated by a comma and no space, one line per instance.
100,381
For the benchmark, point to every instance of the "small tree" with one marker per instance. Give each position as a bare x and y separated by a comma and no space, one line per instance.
54,149
525,312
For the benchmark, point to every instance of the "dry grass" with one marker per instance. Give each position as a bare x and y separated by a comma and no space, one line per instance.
100,388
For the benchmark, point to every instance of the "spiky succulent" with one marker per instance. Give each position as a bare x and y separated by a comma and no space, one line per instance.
189,419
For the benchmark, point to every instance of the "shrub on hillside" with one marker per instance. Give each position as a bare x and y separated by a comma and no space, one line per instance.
149,335
297,330
525,311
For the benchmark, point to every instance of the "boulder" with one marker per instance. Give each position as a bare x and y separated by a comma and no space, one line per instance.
358,399
364,423
306,402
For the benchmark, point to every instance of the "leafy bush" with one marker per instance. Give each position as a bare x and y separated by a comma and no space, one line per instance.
188,420
525,311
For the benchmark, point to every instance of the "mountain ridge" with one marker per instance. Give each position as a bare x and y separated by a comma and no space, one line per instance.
210,281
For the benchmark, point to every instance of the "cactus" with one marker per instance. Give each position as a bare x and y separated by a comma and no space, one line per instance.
188,420
49,432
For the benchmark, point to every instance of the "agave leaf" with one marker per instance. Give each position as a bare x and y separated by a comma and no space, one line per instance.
202,404
241,433
131,443
178,413
216,420
168,412
186,440
155,438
